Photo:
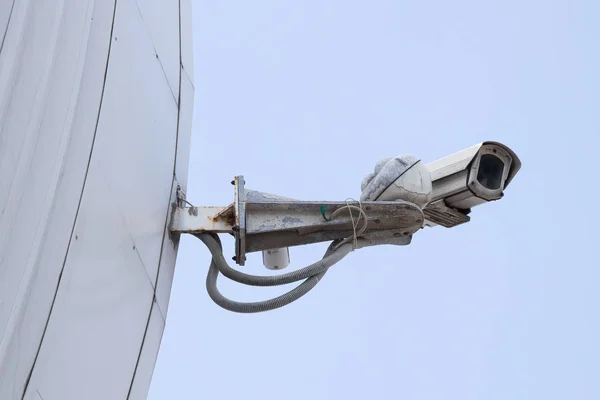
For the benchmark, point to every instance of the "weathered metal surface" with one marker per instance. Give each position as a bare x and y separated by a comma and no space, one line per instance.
286,224
227,214
254,196
200,219
240,220
263,221
291,223
274,221
437,213
395,238
306,216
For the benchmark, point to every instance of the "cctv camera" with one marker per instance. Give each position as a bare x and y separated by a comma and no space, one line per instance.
474,176
446,189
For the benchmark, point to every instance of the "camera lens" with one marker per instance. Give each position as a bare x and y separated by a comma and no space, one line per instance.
491,170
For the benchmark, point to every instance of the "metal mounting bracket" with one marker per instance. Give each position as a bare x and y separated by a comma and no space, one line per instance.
261,221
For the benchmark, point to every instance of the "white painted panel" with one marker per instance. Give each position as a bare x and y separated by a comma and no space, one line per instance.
166,269
91,345
52,70
159,18
143,374
135,144
5,10
170,245
187,52
20,146
101,311
185,130
51,79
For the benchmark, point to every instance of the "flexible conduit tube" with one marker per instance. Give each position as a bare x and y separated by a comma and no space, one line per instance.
312,275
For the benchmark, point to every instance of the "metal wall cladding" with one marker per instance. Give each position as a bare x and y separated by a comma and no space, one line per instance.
95,118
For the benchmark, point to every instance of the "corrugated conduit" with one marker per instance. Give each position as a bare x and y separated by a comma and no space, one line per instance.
311,275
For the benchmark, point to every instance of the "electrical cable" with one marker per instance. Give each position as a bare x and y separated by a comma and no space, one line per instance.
311,274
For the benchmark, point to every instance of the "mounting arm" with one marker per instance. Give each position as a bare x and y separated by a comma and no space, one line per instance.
261,221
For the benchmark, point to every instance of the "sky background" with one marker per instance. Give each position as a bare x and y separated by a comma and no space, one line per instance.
303,98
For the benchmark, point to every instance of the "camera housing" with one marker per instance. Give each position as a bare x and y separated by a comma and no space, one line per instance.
468,178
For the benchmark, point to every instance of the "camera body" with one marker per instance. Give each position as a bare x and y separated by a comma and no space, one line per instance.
448,188
468,178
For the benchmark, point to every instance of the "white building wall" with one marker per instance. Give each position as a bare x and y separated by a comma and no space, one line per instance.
95,117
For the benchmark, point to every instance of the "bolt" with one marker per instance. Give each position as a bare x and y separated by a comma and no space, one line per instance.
419,221
234,258
397,234
233,182
377,221
405,233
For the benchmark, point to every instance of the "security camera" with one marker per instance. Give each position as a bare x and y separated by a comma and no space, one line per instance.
446,189
401,196
474,176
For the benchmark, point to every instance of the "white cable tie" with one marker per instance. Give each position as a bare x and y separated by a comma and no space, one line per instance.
354,223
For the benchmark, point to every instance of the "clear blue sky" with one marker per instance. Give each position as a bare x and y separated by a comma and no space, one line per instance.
303,98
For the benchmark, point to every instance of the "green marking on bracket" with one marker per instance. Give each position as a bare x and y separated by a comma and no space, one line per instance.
323,209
